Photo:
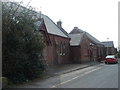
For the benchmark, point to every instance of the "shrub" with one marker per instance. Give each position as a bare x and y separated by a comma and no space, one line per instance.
118,54
22,44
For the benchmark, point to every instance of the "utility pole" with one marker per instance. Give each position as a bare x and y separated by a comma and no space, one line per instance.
107,45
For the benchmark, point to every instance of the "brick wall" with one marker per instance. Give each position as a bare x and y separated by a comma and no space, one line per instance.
84,49
81,53
75,54
53,53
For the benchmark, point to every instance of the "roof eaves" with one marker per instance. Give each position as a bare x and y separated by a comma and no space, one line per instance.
93,39
63,31
74,45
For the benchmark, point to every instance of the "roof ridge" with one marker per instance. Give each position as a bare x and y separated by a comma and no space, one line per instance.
76,30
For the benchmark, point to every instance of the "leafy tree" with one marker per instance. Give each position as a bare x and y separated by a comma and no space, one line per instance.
118,54
22,45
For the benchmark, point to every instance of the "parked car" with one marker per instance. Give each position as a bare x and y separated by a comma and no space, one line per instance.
110,59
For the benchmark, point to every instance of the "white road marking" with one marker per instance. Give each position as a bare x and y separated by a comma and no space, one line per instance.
69,80
53,86
92,70
75,77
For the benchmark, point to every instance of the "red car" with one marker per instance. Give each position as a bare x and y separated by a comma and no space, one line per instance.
110,59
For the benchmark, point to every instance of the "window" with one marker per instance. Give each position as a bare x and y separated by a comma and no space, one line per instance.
86,50
64,49
61,48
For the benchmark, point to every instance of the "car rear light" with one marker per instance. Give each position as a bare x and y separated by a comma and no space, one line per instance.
113,59
105,59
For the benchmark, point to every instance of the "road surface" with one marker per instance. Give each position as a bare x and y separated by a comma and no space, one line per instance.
97,76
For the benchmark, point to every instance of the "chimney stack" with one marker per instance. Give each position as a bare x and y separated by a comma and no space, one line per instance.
59,24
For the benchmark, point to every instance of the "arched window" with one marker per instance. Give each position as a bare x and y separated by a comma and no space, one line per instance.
61,48
64,49
85,50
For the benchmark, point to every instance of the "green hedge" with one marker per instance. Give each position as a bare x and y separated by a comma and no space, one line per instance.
22,45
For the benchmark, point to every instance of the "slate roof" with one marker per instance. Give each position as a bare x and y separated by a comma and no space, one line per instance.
64,31
76,39
108,43
93,39
52,28
77,34
76,30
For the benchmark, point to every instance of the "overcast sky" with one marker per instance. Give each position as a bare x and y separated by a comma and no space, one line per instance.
97,17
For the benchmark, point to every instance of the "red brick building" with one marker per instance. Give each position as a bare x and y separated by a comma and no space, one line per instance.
56,39
84,47
109,48
60,47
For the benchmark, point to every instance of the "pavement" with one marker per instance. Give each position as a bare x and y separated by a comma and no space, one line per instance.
66,68
57,70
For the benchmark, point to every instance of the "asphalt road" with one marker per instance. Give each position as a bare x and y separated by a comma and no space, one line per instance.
98,76
101,76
